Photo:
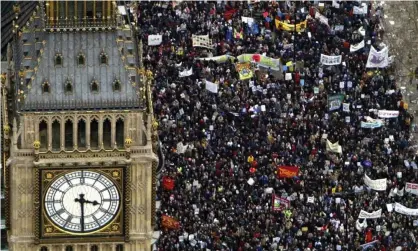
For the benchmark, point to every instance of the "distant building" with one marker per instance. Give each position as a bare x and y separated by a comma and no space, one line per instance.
79,137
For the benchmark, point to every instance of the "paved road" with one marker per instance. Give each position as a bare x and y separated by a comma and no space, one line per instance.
401,35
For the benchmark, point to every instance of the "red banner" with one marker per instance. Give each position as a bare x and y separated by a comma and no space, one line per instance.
287,171
168,183
229,13
169,222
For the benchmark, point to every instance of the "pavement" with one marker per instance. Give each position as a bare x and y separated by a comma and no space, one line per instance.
401,35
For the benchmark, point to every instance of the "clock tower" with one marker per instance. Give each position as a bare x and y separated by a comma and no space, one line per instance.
79,129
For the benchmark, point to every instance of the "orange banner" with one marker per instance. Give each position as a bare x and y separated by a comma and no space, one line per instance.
287,171
169,222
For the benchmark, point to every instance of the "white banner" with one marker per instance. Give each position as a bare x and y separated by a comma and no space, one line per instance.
360,10
356,47
386,114
334,147
247,20
378,185
212,87
155,40
186,73
311,199
361,226
330,60
321,18
405,210
346,107
372,215
362,31
202,41
411,188
218,59
378,59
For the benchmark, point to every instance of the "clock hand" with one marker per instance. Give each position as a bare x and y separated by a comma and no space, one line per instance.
81,201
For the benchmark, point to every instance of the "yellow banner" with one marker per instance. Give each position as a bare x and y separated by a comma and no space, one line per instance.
291,27
244,70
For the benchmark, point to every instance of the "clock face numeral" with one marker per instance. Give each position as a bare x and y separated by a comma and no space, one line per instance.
82,201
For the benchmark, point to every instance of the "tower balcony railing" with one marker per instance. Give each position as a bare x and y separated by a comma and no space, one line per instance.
80,23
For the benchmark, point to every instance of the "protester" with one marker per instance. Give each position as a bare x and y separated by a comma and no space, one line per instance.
230,137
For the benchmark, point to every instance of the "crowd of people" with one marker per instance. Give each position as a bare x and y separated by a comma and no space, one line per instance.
225,150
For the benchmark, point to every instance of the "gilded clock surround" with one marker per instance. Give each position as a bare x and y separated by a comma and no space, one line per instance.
116,230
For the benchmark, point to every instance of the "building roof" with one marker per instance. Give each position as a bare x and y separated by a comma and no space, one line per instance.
39,49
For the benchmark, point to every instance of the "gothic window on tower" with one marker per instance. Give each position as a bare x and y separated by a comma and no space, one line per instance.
94,86
120,133
43,249
68,135
119,247
43,134
103,59
68,87
94,248
94,134
58,59
116,86
56,135
107,132
45,87
81,140
81,60
68,248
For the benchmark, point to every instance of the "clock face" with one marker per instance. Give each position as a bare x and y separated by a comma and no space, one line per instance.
82,201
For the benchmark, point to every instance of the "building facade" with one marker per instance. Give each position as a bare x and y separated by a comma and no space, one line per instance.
78,127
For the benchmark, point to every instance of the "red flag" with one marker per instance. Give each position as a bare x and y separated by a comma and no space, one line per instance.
169,222
287,171
168,183
229,12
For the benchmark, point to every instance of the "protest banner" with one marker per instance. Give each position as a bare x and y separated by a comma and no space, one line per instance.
244,70
346,107
356,47
321,18
202,41
169,222
333,147
279,203
373,215
411,188
287,171
378,59
330,60
218,59
155,40
247,20
335,101
291,27
377,185
405,210
310,199
360,10
371,123
387,114
368,245
260,60
186,73
168,183
361,226
212,87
